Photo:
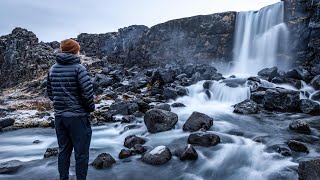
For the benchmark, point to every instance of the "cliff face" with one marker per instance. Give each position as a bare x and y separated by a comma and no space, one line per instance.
303,20
205,38
22,57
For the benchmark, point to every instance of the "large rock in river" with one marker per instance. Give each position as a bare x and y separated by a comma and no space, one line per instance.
198,121
309,107
309,170
279,99
103,160
203,139
157,156
158,120
246,107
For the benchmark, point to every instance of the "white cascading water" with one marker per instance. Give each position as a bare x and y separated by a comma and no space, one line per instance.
260,37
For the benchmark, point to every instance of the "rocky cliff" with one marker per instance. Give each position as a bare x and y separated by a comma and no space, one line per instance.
22,57
204,38
303,20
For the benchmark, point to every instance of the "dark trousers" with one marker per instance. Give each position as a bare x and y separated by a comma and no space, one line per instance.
73,133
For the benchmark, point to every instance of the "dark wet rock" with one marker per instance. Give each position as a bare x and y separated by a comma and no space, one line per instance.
284,151
158,120
315,96
143,106
111,94
246,107
203,139
297,146
157,156
186,153
254,79
139,149
207,84
107,115
128,119
299,73
209,73
36,142
5,122
257,96
181,91
208,93
163,106
120,108
269,73
132,107
132,140
300,126
315,82
51,152
178,105
125,153
309,170
198,121
102,80
169,93
309,107
10,167
138,114
103,160
281,100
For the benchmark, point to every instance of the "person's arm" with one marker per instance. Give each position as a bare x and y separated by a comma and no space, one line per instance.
86,89
49,87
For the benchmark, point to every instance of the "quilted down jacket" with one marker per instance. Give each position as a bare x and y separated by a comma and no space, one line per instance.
69,87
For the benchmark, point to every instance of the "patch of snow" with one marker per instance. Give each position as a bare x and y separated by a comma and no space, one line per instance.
158,150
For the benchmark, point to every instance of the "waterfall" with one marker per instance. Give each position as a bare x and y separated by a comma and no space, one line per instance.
260,37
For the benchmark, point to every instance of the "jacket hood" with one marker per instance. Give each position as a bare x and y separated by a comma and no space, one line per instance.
67,58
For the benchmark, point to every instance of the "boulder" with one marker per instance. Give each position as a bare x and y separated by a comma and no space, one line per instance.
128,119
258,96
10,167
132,140
186,153
169,93
207,84
309,170
139,149
308,106
299,73
315,82
297,146
284,151
181,91
269,73
158,120
163,106
176,104
132,107
102,80
103,160
281,100
246,107
203,139
198,121
119,108
300,126
157,156
51,152
143,106
125,153
5,122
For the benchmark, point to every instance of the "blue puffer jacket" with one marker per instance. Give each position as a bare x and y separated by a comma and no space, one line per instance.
69,87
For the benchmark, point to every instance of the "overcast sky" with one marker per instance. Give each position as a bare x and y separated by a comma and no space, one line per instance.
59,19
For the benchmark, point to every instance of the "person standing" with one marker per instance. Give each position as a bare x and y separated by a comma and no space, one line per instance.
70,88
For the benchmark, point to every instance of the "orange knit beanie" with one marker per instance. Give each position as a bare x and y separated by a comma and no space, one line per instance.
70,46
